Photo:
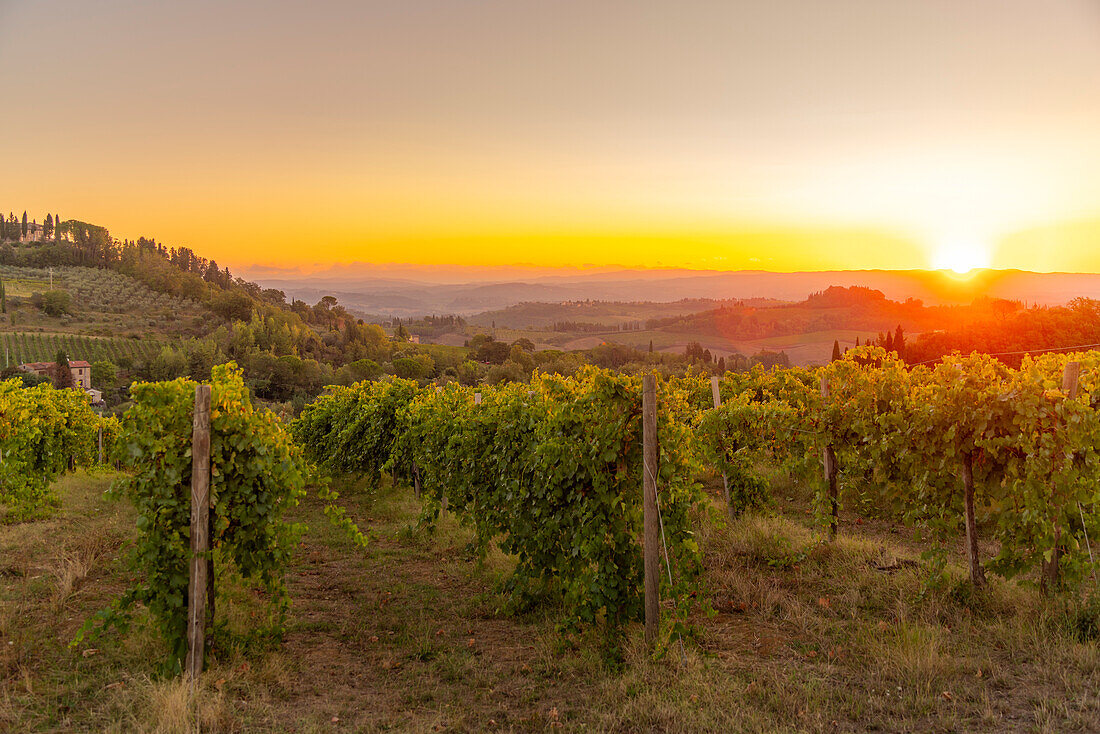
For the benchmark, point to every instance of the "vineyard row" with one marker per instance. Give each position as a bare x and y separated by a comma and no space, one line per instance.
20,347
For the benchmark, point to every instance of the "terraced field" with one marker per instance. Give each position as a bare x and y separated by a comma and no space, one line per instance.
17,347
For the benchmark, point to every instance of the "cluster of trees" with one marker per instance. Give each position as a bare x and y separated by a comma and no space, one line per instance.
892,341
13,229
1006,327
589,327
840,297
835,308
430,326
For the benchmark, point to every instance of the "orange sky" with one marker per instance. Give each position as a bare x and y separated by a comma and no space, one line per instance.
776,135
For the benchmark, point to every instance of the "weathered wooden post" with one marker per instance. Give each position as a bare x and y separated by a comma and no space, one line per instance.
477,398
101,445
200,531
829,460
649,507
717,395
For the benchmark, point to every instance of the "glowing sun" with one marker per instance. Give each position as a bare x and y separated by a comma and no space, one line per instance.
961,256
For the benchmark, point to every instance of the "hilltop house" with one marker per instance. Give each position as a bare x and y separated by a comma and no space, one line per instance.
34,233
82,371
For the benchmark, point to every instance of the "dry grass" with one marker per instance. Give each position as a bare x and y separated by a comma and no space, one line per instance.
411,635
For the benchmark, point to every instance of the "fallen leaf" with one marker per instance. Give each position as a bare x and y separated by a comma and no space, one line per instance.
90,651
947,696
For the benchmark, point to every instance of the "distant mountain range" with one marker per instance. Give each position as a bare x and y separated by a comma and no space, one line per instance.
410,291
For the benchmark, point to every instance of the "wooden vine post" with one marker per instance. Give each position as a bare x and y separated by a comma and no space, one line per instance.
828,458
200,532
1051,568
101,445
717,395
977,573
649,506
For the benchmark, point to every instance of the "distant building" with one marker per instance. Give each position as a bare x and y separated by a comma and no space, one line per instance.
82,371
414,339
35,233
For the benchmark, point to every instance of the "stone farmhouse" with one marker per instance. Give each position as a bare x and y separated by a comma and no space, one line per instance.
82,371
35,231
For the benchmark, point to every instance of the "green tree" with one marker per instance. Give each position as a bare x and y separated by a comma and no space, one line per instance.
24,222
57,227
3,298
232,306
408,369
62,374
56,303
899,342
47,227
836,350
104,374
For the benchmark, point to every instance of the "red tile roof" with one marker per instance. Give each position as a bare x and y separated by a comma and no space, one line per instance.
49,365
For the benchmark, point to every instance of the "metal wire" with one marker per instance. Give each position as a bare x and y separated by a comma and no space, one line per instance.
1010,354
664,544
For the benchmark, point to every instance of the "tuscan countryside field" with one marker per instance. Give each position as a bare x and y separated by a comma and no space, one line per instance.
522,367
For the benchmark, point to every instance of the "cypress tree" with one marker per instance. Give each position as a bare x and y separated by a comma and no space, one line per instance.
836,350
24,222
62,374
899,342
3,298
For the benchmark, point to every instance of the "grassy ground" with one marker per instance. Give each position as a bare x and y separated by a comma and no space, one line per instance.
409,635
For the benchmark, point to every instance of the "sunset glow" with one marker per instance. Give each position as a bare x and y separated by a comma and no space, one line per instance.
779,136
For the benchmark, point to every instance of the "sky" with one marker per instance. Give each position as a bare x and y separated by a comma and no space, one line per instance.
775,134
